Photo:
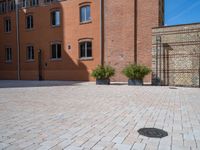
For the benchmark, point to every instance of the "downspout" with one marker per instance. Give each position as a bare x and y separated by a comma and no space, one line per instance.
18,44
101,32
135,30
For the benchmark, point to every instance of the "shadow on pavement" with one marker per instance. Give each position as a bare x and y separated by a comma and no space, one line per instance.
27,83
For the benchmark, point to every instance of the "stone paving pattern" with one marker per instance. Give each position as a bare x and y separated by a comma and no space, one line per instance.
83,116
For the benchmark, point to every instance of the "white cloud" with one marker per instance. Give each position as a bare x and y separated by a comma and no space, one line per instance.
185,11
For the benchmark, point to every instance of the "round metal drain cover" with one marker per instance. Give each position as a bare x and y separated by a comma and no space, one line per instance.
152,132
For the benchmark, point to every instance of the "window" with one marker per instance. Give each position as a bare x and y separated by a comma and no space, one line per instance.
49,1
29,22
30,53
34,3
7,25
85,13
8,54
55,18
25,3
56,51
85,49
2,7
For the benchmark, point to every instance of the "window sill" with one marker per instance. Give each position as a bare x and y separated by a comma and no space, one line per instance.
86,22
29,30
55,26
9,62
56,59
8,32
86,58
30,60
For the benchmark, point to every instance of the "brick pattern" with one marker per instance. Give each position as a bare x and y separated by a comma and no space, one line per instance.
34,116
43,34
119,32
181,58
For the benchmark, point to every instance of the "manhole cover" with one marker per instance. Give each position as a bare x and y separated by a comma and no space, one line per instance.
153,132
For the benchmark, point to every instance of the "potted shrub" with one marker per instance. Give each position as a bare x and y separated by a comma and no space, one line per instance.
103,74
136,73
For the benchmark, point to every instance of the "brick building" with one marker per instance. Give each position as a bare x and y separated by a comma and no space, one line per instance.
66,39
176,54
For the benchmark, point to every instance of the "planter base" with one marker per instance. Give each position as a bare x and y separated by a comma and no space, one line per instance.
135,82
103,82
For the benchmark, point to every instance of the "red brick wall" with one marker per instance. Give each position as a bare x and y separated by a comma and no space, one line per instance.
148,17
118,41
70,67
119,33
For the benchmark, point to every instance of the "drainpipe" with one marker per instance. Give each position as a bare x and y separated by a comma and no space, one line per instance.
101,31
18,44
135,30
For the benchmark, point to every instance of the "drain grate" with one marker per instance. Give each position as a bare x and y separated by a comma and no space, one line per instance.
153,132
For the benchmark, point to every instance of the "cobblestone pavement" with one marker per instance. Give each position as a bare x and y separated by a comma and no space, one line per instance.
76,116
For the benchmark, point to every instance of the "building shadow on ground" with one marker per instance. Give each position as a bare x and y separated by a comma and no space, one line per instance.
28,83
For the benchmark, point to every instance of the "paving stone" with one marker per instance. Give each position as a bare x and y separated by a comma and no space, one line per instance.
122,147
69,115
139,146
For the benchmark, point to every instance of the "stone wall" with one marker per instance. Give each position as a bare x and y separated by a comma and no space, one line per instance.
176,54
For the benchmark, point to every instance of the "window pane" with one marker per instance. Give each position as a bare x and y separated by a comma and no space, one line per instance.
57,15
53,51
82,14
58,50
29,51
82,49
28,22
53,18
8,54
31,21
87,13
32,53
7,25
35,2
89,49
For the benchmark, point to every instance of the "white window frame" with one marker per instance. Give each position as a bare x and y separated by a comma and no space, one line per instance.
57,14
31,21
86,50
85,13
9,25
56,58
32,57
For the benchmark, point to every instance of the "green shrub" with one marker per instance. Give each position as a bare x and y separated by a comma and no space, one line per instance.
103,72
136,72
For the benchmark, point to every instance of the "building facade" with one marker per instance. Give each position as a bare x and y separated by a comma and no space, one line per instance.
176,55
67,39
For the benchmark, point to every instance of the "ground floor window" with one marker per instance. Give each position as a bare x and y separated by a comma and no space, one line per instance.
8,54
85,49
30,53
56,51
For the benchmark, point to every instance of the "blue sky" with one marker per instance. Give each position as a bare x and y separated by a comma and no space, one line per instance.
182,11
